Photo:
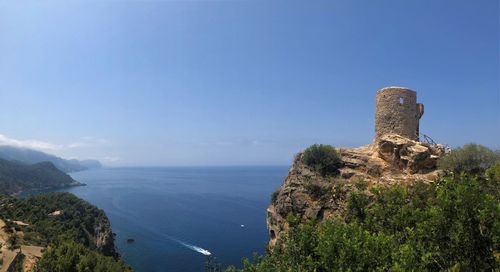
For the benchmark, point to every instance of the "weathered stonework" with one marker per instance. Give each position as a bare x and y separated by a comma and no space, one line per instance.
397,112
393,160
396,157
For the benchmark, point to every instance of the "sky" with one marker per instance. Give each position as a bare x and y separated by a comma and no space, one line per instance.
173,83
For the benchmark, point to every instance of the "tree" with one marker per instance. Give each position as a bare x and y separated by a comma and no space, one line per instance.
453,223
71,256
323,159
471,158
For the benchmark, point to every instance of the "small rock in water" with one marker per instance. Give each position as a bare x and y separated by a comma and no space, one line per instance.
130,240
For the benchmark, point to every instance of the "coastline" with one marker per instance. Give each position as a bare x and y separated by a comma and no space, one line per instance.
32,191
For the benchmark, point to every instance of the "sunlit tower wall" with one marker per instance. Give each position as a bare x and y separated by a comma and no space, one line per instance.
398,112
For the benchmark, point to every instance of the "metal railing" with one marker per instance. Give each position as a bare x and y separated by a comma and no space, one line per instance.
426,139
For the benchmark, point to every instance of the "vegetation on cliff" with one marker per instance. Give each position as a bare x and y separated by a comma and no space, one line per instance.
452,223
16,176
322,158
471,158
77,235
78,220
71,256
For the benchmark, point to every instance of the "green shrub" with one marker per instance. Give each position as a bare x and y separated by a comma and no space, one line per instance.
338,191
471,159
292,219
323,159
274,196
356,205
316,191
71,256
453,223
19,262
361,184
493,172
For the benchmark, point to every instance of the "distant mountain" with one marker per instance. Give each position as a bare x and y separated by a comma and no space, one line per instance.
16,177
89,164
29,156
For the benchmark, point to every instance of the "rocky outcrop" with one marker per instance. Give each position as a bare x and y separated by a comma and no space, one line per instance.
391,160
409,156
104,239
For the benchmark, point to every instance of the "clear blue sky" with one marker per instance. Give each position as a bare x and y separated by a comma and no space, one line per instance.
239,82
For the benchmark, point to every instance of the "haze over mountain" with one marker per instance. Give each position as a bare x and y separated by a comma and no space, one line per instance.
16,177
30,156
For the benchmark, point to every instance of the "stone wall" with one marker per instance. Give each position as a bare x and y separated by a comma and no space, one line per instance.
397,112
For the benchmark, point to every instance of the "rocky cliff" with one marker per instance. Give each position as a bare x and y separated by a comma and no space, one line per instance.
306,194
104,239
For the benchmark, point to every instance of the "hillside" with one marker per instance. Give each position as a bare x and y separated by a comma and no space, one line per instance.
29,156
393,160
16,177
53,228
395,205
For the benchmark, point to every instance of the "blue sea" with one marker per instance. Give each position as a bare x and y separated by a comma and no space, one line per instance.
175,213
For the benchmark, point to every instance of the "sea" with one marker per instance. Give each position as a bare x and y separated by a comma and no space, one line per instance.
171,218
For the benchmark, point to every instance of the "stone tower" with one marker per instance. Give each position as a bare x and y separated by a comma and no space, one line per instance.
398,112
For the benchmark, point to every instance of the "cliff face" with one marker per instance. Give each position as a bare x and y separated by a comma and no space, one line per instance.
306,194
104,239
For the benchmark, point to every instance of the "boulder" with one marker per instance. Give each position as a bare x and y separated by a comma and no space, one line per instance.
408,155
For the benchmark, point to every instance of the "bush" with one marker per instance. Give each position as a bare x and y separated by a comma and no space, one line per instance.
316,191
493,172
471,159
71,256
323,159
274,195
449,224
293,220
356,205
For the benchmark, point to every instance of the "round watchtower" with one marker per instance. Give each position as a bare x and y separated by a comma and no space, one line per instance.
398,112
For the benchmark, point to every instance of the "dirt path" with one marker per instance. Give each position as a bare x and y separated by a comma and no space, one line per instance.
7,254
33,253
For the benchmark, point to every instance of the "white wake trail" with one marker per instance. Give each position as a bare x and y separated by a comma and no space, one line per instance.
195,248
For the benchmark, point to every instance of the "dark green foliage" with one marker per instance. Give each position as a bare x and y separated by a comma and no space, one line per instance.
338,191
69,237
493,172
317,191
78,221
471,159
293,220
13,242
356,205
361,184
452,224
354,248
274,195
19,263
323,159
15,176
71,256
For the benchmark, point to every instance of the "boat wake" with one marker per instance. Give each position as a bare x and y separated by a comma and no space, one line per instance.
185,244
195,248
